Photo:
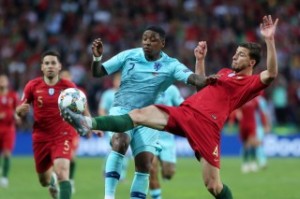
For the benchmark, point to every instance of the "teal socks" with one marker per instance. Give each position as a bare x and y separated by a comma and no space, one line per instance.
155,193
140,185
113,168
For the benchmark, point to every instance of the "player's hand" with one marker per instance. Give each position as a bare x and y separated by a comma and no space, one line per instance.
268,28
200,50
97,47
23,108
212,79
98,133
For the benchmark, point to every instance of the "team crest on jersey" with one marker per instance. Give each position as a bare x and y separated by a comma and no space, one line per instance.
51,91
157,66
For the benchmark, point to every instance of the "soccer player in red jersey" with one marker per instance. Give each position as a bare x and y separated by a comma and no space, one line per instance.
8,102
65,74
201,117
52,137
246,115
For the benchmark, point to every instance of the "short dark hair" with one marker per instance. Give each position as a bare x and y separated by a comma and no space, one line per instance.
158,30
52,53
254,50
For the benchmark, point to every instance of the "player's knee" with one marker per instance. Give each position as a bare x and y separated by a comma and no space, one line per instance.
62,174
212,186
120,144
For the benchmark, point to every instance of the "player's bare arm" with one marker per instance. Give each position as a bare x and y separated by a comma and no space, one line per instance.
97,68
199,79
200,54
267,30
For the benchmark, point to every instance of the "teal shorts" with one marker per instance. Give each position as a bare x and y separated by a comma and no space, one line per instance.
168,147
141,138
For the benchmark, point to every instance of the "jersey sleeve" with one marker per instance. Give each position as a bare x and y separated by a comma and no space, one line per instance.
27,93
182,73
115,63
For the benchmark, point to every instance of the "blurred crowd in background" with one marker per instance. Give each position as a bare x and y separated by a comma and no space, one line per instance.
29,27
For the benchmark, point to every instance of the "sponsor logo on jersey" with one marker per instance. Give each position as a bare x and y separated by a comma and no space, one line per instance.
39,91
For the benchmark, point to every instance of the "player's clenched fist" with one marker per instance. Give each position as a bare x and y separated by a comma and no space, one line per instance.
97,47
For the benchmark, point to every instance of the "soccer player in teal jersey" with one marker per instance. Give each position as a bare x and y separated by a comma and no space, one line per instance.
145,72
105,104
166,157
263,126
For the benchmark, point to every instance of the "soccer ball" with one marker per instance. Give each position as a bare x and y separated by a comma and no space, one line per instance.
73,99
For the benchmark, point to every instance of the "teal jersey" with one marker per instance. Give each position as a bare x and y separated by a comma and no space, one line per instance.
107,100
170,97
263,106
142,80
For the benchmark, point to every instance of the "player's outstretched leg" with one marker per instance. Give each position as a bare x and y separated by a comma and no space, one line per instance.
81,123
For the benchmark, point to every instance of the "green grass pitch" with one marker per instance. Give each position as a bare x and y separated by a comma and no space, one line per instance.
281,180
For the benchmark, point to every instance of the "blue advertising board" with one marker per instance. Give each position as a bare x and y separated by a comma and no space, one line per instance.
274,146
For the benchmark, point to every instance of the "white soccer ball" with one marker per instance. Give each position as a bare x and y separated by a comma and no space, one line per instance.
73,99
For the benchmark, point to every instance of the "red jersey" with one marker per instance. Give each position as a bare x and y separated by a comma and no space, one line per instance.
217,101
48,124
248,113
8,103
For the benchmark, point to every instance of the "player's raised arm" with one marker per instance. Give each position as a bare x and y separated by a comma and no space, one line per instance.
97,68
200,54
267,30
199,79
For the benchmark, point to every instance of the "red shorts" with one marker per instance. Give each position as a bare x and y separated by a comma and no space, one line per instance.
246,132
7,140
201,133
46,152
